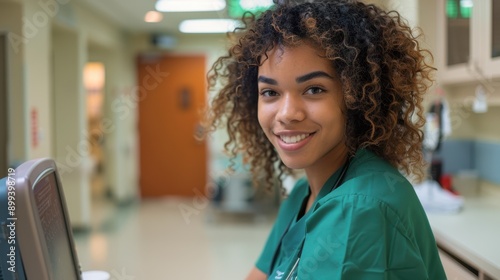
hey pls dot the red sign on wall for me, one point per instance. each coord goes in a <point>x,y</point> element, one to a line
<point>34,128</point>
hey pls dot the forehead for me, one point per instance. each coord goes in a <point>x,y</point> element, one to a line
<point>295,59</point>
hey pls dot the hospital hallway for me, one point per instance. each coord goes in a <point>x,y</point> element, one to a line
<point>170,238</point>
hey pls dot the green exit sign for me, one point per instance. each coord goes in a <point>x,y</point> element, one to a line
<point>236,8</point>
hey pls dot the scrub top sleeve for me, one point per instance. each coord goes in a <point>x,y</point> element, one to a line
<point>359,237</point>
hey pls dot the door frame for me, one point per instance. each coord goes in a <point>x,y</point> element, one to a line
<point>4,101</point>
<point>145,60</point>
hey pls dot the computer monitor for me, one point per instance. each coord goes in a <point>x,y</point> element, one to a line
<point>34,214</point>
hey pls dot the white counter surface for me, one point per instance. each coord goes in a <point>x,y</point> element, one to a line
<point>472,234</point>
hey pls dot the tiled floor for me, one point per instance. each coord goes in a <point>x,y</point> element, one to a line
<point>171,238</point>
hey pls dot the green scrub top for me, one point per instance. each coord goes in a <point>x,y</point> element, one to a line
<point>371,227</point>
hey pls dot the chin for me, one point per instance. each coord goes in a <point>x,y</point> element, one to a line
<point>294,164</point>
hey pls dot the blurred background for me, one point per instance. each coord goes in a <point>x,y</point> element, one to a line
<point>113,91</point>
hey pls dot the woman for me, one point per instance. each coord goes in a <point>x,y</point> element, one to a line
<point>333,88</point>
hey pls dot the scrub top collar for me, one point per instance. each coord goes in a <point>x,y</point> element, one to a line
<point>293,237</point>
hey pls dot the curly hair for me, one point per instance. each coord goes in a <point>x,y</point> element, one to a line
<point>381,66</point>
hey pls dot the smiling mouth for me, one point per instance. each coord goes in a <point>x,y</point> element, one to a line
<point>295,138</point>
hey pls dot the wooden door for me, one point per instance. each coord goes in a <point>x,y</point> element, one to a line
<point>172,92</point>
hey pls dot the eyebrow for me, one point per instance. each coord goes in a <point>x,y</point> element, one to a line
<point>301,79</point>
<point>312,75</point>
<point>264,79</point>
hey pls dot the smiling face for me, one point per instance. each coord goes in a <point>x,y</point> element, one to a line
<point>300,108</point>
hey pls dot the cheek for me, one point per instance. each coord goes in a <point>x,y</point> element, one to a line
<point>263,115</point>
<point>334,119</point>
<point>340,121</point>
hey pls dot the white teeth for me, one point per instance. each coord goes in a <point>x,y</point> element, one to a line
<point>293,139</point>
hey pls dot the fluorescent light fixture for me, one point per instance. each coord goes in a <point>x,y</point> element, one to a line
<point>190,5</point>
<point>208,25</point>
<point>251,5</point>
<point>153,16</point>
<point>236,8</point>
<point>466,3</point>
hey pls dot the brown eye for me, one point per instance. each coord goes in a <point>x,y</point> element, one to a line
<point>314,90</point>
<point>268,93</point>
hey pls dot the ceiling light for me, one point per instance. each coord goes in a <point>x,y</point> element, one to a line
<point>208,25</point>
<point>237,8</point>
<point>190,5</point>
<point>466,3</point>
<point>153,16</point>
<point>251,5</point>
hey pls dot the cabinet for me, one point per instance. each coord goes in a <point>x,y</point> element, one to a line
<point>454,270</point>
<point>468,40</point>
<point>492,15</point>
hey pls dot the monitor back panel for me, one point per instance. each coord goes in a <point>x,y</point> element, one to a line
<point>11,266</point>
<point>43,231</point>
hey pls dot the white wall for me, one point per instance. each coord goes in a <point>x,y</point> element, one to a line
<point>469,125</point>
<point>71,148</point>
<point>37,77</point>
<point>11,14</point>
<point>120,120</point>
<point>119,123</point>
<point>36,28</point>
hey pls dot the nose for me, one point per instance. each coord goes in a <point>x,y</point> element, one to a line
<point>291,109</point>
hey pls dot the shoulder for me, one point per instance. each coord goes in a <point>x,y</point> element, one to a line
<point>373,190</point>
<point>373,224</point>
<point>368,166</point>
<point>378,184</point>
<point>355,213</point>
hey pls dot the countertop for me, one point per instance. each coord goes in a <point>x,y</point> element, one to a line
<point>473,234</point>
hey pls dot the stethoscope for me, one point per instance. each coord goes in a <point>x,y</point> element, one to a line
<point>290,275</point>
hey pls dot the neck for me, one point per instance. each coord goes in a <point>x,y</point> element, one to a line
<point>318,175</point>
